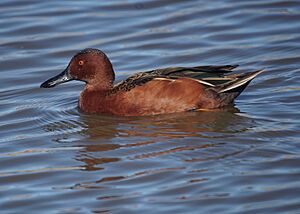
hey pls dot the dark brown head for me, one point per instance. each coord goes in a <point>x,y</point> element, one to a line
<point>89,65</point>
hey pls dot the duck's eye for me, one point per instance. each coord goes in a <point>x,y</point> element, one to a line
<point>80,62</point>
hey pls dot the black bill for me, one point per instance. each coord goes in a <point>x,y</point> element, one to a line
<point>58,79</point>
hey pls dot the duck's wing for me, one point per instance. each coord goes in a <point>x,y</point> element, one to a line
<point>133,81</point>
<point>197,72</point>
<point>205,74</point>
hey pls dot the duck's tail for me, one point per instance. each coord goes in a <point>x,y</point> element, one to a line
<point>230,90</point>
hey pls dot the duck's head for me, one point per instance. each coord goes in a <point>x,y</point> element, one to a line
<point>91,66</point>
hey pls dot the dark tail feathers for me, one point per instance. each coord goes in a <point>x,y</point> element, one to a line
<point>230,90</point>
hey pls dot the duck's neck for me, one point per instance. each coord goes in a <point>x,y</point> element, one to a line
<point>99,88</point>
<point>92,99</point>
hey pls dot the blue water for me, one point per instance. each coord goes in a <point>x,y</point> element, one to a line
<point>55,159</point>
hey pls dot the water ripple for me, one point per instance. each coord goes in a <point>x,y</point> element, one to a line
<point>55,158</point>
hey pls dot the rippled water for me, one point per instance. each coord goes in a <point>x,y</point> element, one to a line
<point>55,159</point>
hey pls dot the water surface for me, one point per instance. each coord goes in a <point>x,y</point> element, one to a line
<point>55,159</point>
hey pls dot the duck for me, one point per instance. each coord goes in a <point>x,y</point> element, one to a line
<point>158,91</point>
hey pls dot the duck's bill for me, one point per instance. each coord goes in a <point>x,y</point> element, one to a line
<point>58,79</point>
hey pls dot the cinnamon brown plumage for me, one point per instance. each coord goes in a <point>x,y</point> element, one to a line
<point>159,91</point>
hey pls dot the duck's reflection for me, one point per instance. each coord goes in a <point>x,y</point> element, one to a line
<point>169,125</point>
<point>107,139</point>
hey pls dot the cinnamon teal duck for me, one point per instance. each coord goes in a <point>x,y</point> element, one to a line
<point>159,91</point>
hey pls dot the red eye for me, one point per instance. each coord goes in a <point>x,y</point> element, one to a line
<point>81,62</point>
